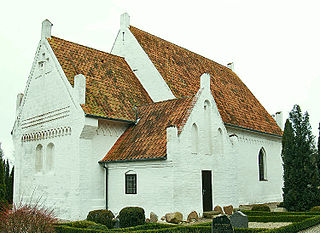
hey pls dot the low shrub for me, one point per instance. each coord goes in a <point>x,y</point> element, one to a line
<point>131,216</point>
<point>260,207</point>
<point>97,227</point>
<point>27,218</point>
<point>315,209</point>
<point>102,217</point>
<point>81,224</point>
<point>68,229</point>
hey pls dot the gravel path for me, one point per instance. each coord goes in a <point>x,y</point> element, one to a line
<point>269,225</point>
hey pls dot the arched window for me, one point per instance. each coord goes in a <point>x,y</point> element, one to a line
<point>207,121</point>
<point>39,158</point>
<point>195,138</point>
<point>50,157</point>
<point>262,165</point>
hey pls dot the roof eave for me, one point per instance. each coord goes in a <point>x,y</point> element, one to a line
<point>134,160</point>
<point>252,130</point>
<point>110,118</point>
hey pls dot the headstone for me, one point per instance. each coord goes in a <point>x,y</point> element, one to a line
<point>153,217</point>
<point>239,220</point>
<point>228,209</point>
<point>219,209</point>
<point>175,217</point>
<point>117,224</point>
<point>221,224</point>
<point>193,216</point>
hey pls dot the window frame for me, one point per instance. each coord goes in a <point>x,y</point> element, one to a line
<point>133,188</point>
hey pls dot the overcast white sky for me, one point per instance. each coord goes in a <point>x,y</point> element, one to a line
<point>275,45</point>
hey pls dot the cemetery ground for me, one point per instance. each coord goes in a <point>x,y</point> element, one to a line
<point>132,219</point>
<point>257,221</point>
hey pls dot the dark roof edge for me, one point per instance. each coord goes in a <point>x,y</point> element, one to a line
<point>133,160</point>
<point>252,130</point>
<point>109,118</point>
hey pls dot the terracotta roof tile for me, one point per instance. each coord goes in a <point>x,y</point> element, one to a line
<point>112,89</point>
<point>181,69</point>
<point>148,139</point>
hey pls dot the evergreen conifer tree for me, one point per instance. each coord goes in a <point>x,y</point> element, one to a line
<point>7,178</point>
<point>10,188</point>
<point>2,183</point>
<point>300,163</point>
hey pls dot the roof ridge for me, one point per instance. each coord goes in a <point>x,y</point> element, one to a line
<point>181,47</point>
<point>86,46</point>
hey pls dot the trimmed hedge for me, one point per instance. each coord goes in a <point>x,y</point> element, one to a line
<point>103,217</point>
<point>98,227</point>
<point>299,226</point>
<point>68,229</point>
<point>260,207</point>
<point>315,209</point>
<point>147,226</point>
<point>281,218</point>
<point>131,216</point>
<point>263,213</point>
<point>80,224</point>
<point>201,228</point>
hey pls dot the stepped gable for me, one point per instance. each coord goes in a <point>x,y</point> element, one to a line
<point>181,70</point>
<point>148,138</point>
<point>112,89</point>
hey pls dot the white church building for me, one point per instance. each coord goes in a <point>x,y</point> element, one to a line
<point>150,124</point>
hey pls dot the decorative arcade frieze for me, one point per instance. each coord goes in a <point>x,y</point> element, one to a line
<point>46,134</point>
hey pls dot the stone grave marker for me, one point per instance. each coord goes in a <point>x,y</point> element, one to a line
<point>239,220</point>
<point>221,224</point>
<point>117,224</point>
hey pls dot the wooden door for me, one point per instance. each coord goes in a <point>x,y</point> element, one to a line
<point>207,190</point>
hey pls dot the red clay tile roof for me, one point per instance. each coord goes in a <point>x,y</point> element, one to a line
<point>112,89</point>
<point>181,69</point>
<point>148,139</point>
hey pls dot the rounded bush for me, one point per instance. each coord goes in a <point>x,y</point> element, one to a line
<point>315,209</point>
<point>102,217</point>
<point>131,216</point>
<point>82,224</point>
<point>97,227</point>
<point>260,207</point>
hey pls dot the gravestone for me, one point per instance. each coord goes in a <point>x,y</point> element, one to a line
<point>221,224</point>
<point>117,224</point>
<point>239,220</point>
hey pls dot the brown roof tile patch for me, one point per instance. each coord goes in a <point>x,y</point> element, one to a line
<point>148,139</point>
<point>181,69</point>
<point>112,90</point>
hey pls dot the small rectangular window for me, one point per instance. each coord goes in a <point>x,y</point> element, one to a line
<point>131,184</point>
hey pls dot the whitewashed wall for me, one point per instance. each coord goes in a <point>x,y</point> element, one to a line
<point>250,189</point>
<point>188,166</point>
<point>128,47</point>
<point>49,113</point>
<point>154,186</point>
<point>96,140</point>
<point>175,184</point>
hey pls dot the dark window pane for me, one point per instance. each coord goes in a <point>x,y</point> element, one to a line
<point>131,184</point>
<point>261,166</point>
